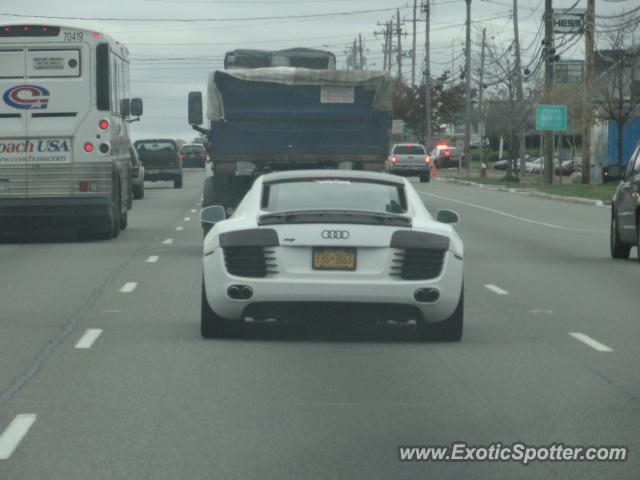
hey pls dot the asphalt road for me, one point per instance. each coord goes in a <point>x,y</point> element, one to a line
<point>150,399</point>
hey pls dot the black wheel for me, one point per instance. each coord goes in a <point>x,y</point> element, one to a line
<point>425,177</point>
<point>208,196</point>
<point>117,213</point>
<point>618,249</point>
<point>124,221</point>
<point>214,326</point>
<point>177,182</point>
<point>638,238</point>
<point>449,330</point>
<point>138,191</point>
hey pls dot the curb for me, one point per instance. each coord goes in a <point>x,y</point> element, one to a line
<point>529,192</point>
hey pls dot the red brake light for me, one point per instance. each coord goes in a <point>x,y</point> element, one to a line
<point>103,124</point>
<point>441,146</point>
<point>88,147</point>
<point>25,28</point>
<point>447,152</point>
<point>182,155</point>
<point>203,155</point>
<point>394,159</point>
<point>427,159</point>
<point>84,186</point>
<point>95,35</point>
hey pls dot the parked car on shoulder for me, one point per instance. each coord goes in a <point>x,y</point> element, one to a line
<point>625,210</point>
<point>161,160</point>
<point>444,156</point>
<point>409,159</point>
<point>137,174</point>
<point>501,164</point>
<point>193,155</point>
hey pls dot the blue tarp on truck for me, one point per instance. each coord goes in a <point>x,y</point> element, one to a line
<point>298,115</point>
<point>604,141</point>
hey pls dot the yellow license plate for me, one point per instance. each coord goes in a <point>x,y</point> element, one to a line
<point>334,258</point>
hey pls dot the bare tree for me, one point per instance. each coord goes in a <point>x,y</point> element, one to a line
<point>617,80</point>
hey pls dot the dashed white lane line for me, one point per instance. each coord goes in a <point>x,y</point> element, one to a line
<point>111,311</point>
<point>180,228</point>
<point>591,342</point>
<point>90,336</point>
<point>193,210</point>
<point>129,287</point>
<point>14,433</point>
<point>515,217</point>
<point>152,259</point>
<point>496,289</point>
<point>187,219</point>
<point>168,241</point>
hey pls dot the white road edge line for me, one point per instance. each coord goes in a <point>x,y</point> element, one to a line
<point>14,433</point>
<point>168,241</point>
<point>591,342</point>
<point>129,287</point>
<point>515,217</point>
<point>90,336</point>
<point>152,259</point>
<point>496,289</point>
<point>179,228</point>
<point>187,219</point>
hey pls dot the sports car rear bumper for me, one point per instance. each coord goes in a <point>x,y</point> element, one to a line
<point>282,288</point>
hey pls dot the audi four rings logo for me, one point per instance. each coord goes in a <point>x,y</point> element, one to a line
<point>335,234</point>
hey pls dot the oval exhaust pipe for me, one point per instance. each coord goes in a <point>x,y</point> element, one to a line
<point>246,293</point>
<point>233,292</point>
<point>426,295</point>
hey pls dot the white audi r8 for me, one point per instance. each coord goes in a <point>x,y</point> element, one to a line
<point>346,243</point>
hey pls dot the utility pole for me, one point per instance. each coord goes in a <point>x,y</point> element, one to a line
<point>520,114</point>
<point>481,87</point>
<point>361,62</point>
<point>427,76</point>
<point>587,113</point>
<point>452,57</point>
<point>548,86</point>
<point>413,51</point>
<point>399,33</point>
<point>389,45</point>
<point>467,78</point>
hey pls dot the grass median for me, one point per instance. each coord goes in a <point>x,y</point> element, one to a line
<point>602,192</point>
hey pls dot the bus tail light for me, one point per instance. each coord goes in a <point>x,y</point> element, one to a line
<point>88,147</point>
<point>88,186</point>
<point>103,124</point>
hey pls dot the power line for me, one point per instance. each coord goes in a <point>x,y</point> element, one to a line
<point>231,19</point>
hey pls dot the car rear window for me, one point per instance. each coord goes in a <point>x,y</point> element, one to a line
<point>334,194</point>
<point>409,150</point>
<point>155,146</point>
<point>192,149</point>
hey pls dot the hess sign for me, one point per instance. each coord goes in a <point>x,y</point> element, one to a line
<point>568,20</point>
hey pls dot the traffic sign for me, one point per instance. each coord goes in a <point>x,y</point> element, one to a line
<point>551,117</point>
<point>397,127</point>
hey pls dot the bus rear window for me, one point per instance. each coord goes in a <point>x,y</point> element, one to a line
<point>53,63</point>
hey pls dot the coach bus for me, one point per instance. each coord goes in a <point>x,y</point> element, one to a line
<point>64,129</point>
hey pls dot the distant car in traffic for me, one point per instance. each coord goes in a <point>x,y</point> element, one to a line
<point>137,174</point>
<point>444,156</point>
<point>625,210</point>
<point>409,159</point>
<point>501,165</point>
<point>161,160</point>
<point>346,243</point>
<point>193,155</point>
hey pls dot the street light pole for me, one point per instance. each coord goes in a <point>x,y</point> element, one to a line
<point>467,77</point>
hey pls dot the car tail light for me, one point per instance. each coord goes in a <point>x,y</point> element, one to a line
<point>394,159</point>
<point>203,155</point>
<point>427,159</point>
<point>96,35</point>
<point>88,147</point>
<point>182,155</point>
<point>447,153</point>
<point>103,124</point>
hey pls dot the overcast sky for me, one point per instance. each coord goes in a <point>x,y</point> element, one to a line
<point>170,58</point>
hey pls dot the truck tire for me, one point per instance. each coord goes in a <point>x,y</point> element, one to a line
<point>207,200</point>
<point>425,177</point>
<point>177,182</point>
<point>117,212</point>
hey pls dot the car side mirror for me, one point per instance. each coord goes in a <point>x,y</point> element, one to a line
<point>195,108</point>
<point>212,214</point>
<point>448,216</point>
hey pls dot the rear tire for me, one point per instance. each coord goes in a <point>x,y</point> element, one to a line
<point>177,182</point>
<point>138,191</point>
<point>214,326</point>
<point>618,249</point>
<point>425,177</point>
<point>449,330</point>
<point>124,221</point>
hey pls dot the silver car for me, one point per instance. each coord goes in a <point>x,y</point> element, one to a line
<point>409,159</point>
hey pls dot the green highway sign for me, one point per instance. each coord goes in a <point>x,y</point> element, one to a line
<point>551,117</point>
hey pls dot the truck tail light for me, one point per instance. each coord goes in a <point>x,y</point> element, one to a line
<point>427,159</point>
<point>394,159</point>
